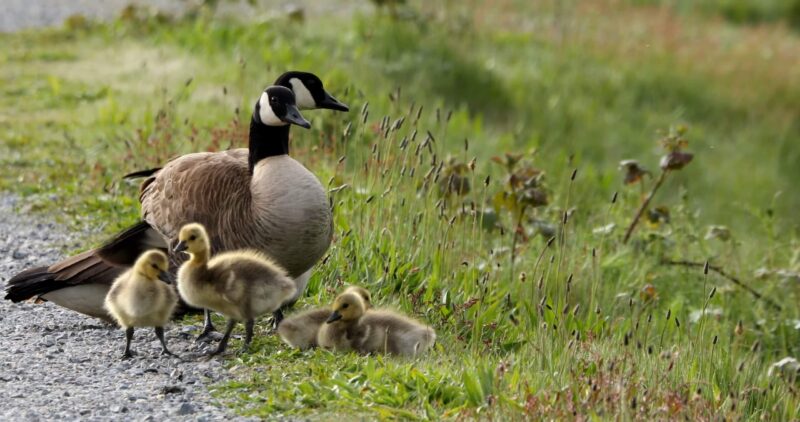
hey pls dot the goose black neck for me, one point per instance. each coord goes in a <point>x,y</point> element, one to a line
<point>267,141</point>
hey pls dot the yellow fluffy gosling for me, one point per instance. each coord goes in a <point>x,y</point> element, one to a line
<point>300,331</point>
<point>239,284</point>
<point>138,298</point>
<point>352,327</point>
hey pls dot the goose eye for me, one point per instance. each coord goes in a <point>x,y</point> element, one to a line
<point>345,306</point>
<point>273,99</point>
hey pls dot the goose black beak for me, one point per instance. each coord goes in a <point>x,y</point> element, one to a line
<point>181,246</point>
<point>332,103</point>
<point>294,117</point>
<point>335,316</point>
<point>164,276</point>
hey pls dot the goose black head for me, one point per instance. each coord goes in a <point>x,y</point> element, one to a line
<point>309,91</point>
<point>277,107</point>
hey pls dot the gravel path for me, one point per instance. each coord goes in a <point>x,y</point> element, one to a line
<point>21,14</point>
<point>59,365</point>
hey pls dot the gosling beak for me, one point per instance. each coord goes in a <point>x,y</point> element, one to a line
<point>164,276</point>
<point>181,246</point>
<point>332,103</point>
<point>294,117</point>
<point>335,316</point>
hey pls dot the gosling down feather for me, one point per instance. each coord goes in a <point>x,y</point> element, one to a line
<point>300,331</point>
<point>353,327</point>
<point>138,298</point>
<point>241,285</point>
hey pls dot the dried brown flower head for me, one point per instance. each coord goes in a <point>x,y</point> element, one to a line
<point>633,171</point>
<point>676,160</point>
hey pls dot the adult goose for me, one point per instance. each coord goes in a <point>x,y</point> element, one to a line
<point>259,197</point>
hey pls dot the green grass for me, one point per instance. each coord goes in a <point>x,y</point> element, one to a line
<point>588,324</point>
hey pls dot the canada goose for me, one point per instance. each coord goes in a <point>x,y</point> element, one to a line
<point>138,298</point>
<point>352,327</point>
<point>258,198</point>
<point>300,331</point>
<point>239,284</point>
<point>309,94</point>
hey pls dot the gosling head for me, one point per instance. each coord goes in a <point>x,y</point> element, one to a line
<point>193,239</point>
<point>277,107</point>
<point>364,293</point>
<point>153,264</point>
<point>348,306</point>
<point>309,91</point>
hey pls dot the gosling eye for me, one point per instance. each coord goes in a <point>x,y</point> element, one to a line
<point>154,266</point>
<point>192,237</point>
<point>345,306</point>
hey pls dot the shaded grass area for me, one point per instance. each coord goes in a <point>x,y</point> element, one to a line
<point>585,325</point>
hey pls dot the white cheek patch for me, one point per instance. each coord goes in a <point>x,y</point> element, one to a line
<point>302,95</point>
<point>266,114</point>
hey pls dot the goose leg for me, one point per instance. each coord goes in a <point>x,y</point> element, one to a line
<point>248,334</point>
<point>209,333</point>
<point>128,337</point>
<point>223,344</point>
<point>160,335</point>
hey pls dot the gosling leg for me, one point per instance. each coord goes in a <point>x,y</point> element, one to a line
<point>277,316</point>
<point>128,337</point>
<point>248,334</point>
<point>223,344</point>
<point>160,335</point>
<point>209,333</point>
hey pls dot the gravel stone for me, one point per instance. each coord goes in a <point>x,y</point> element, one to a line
<point>56,364</point>
<point>185,409</point>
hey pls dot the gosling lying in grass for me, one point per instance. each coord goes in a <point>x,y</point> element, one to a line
<point>241,285</point>
<point>300,331</point>
<point>352,327</point>
<point>138,298</point>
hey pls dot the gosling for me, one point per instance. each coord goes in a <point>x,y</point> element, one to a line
<point>352,327</point>
<point>138,298</point>
<point>239,284</point>
<point>300,331</point>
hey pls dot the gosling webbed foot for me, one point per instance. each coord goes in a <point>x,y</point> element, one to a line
<point>209,334</point>
<point>223,344</point>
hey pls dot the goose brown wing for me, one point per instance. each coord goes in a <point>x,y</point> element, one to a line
<point>212,189</point>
